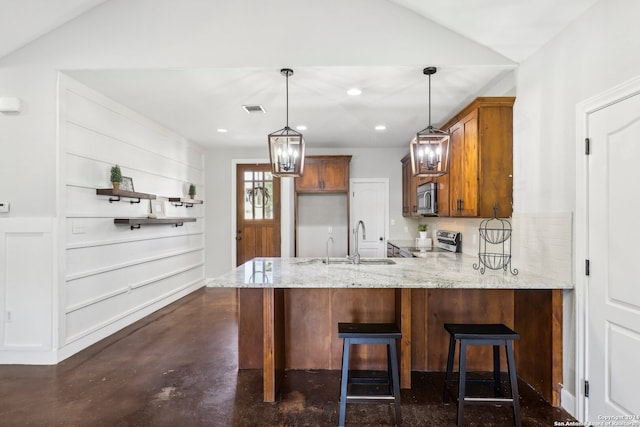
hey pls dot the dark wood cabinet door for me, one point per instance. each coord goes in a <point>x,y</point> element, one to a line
<point>469,190</point>
<point>442,183</point>
<point>335,174</point>
<point>455,167</point>
<point>310,180</point>
<point>463,167</point>
<point>408,189</point>
<point>324,174</point>
<point>495,167</point>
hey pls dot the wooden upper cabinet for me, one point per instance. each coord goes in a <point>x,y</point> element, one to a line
<point>463,167</point>
<point>409,202</point>
<point>481,159</point>
<point>481,163</point>
<point>443,194</point>
<point>324,174</point>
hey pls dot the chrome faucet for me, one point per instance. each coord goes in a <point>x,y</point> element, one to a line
<point>330,239</point>
<point>356,256</point>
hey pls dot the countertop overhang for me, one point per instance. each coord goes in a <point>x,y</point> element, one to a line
<point>439,270</point>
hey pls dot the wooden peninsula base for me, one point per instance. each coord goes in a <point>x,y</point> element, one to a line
<point>297,329</point>
<point>289,309</point>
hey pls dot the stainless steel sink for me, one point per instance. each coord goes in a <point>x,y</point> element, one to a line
<point>363,261</point>
<point>337,261</point>
<point>377,261</point>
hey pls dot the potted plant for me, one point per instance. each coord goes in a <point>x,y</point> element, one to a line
<point>192,191</point>
<point>116,177</point>
<point>422,229</point>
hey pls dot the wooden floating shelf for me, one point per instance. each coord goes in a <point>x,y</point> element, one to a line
<point>181,201</point>
<point>117,194</point>
<point>136,223</point>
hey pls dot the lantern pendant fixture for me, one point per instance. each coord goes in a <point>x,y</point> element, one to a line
<point>430,147</point>
<point>286,146</point>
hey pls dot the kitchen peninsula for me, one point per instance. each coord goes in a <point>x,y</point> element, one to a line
<point>303,299</point>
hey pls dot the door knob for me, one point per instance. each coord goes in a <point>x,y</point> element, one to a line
<point>381,239</point>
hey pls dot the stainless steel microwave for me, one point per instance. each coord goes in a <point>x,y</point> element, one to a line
<point>427,199</point>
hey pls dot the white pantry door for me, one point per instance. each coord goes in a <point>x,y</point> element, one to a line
<point>370,203</point>
<point>613,328</point>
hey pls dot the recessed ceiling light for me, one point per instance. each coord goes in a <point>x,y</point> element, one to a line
<point>354,91</point>
<point>301,127</point>
<point>222,130</point>
<point>380,127</point>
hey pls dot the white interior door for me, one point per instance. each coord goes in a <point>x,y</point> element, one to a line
<point>613,321</point>
<point>370,204</point>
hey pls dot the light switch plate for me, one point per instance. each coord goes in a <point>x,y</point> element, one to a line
<point>4,207</point>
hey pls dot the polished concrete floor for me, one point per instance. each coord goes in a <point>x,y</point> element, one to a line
<point>178,367</point>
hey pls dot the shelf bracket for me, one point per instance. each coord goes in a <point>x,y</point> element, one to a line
<point>132,202</point>
<point>135,227</point>
<point>179,224</point>
<point>189,205</point>
<point>114,199</point>
<point>178,204</point>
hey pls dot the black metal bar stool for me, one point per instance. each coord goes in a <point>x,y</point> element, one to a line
<point>482,334</point>
<point>367,389</point>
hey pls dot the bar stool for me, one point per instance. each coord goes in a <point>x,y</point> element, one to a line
<point>482,334</point>
<point>367,389</point>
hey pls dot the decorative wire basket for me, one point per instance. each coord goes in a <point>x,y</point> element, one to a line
<point>494,245</point>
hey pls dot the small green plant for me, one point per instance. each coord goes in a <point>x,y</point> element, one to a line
<point>192,190</point>
<point>116,174</point>
<point>422,227</point>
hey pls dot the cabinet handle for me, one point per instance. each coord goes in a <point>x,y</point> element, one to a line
<point>415,209</point>
<point>461,204</point>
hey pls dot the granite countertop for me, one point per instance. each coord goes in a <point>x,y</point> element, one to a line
<point>439,270</point>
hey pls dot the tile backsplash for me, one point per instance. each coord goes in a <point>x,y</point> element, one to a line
<point>541,242</point>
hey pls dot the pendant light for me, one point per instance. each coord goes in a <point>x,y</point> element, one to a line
<point>430,148</point>
<point>286,146</point>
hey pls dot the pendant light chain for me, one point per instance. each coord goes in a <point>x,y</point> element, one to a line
<point>287,91</point>
<point>429,101</point>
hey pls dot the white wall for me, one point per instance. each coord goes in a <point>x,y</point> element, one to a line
<point>316,213</point>
<point>114,275</point>
<point>596,52</point>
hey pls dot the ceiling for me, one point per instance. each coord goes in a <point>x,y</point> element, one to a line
<point>197,102</point>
